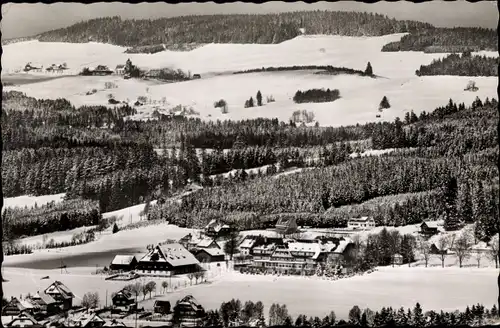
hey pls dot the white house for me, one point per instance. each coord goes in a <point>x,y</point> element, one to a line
<point>363,223</point>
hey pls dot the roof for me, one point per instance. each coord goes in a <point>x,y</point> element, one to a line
<point>398,255</point>
<point>429,225</point>
<point>23,315</point>
<point>285,221</point>
<point>123,259</point>
<point>124,292</point>
<point>43,298</point>
<point>174,254</point>
<point>114,323</point>
<point>161,303</point>
<point>85,318</point>
<point>58,287</point>
<point>247,243</point>
<point>361,219</point>
<point>120,66</point>
<point>206,242</point>
<point>190,301</point>
<point>340,249</point>
<point>213,251</point>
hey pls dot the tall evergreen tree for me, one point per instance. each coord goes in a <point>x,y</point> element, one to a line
<point>259,98</point>
<point>450,191</point>
<point>369,70</point>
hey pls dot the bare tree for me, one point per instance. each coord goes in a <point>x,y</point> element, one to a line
<point>493,253</point>
<point>164,285</point>
<point>191,277</point>
<point>461,247</point>
<point>478,255</point>
<point>425,250</point>
<point>442,245</point>
<point>90,300</point>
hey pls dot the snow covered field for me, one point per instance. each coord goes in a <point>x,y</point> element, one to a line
<point>30,201</point>
<point>360,95</point>
<point>435,288</point>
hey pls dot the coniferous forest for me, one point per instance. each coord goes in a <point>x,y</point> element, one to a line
<point>462,65</point>
<point>93,154</point>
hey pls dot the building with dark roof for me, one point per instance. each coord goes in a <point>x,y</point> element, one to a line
<point>168,259</point>
<point>207,255</point>
<point>286,225</point>
<point>162,307</point>
<point>59,292</point>
<point>188,312</point>
<point>24,320</point>
<point>123,299</point>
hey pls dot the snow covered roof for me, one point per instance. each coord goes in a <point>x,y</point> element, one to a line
<point>43,298</point>
<point>123,259</point>
<point>247,243</point>
<point>207,242</point>
<point>361,219</point>
<point>213,251</point>
<point>58,287</point>
<point>23,316</point>
<point>175,254</point>
<point>342,246</point>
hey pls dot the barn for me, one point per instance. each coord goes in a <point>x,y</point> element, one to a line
<point>168,259</point>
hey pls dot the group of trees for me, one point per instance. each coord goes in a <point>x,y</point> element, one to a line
<point>232,312</point>
<point>322,69</point>
<point>250,102</point>
<point>316,95</point>
<point>464,65</point>
<point>456,39</point>
<point>267,28</point>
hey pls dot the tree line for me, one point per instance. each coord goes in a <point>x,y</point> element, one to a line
<point>325,68</point>
<point>456,39</point>
<point>316,95</point>
<point>464,65</point>
<point>263,29</point>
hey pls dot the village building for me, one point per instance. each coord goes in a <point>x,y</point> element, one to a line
<point>123,299</point>
<point>188,312</point>
<point>207,255</point>
<point>24,320</point>
<point>59,292</point>
<point>428,229</point>
<point>216,229</point>
<point>363,223</point>
<point>153,74</point>
<point>30,68</point>
<point>208,243</point>
<point>123,263</point>
<point>114,323</point>
<point>286,226</point>
<point>13,308</point>
<point>190,241</point>
<point>246,246</point>
<point>101,70</point>
<point>168,259</point>
<point>46,303</point>
<point>397,259</point>
<point>161,307</point>
<point>120,69</point>
<point>196,76</point>
<point>86,320</point>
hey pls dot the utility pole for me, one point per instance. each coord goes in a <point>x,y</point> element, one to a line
<point>106,298</point>
<point>136,308</point>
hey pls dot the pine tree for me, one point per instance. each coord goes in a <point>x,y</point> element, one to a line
<point>418,319</point>
<point>259,98</point>
<point>115,228</point>
<point>465,203</point>
<point>369,70</point>
<point>250,102</point>
<point>450,199</point>
<point>384,104</point>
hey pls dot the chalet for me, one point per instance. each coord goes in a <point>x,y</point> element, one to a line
<point>196,76</point>
<point>86,320</point>
<point>427,229</point>
<point>59,292</point>
<point>13,308</point>
<point>397,259</point>
<point>120,70</point>
<point>123,299</point>
<point>363,223</point>
<point>47,304</point>
<point>208,243</point>
<point>24,320</point>
<point>286,226</point>
<point>188,312</point>
<point>190,241</point>
<point>123,262</point>
<point>435,250</point>
<point>162,307</point>
<point>101,70</point>
<point>246,246</point>
<point>216,229</point>
<point>207,255</point>
<point>168,259</point>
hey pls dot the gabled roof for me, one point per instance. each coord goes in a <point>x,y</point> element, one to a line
<point>43,298</point>
<point>84,318</point>
<point>207,242</point>
<point>212,251</point>
<point>58,287</point>
<point>120,66</point>
<point>23,316</point>
<point>114,323</point>
<point>361,219</point>
<point>429,225</point>
<point>247,243</point>
<point>123,259</point>
<point>189,300</point>
<point>161,303</point>
<point>174,254</point>
<point>124,292</point>
<point>285,221</point>
<point>342,246</point>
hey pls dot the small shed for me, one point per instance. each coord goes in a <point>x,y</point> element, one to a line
<point>123,262</point>
<point>196,76</point>
<point>123,298</point>
<point>428,229</point>
<point>397,259</point>
<point>207,255</point>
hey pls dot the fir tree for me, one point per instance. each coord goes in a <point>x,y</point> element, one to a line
<point>369,70</point>
<point>384,104</point>
<point>450,199</point>
<point>115,228</point>
<point>259,98</point>
<point>418,319</point>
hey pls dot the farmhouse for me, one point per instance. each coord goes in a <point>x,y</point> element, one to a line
<point>161,307</point>
<point>120,69</point>
<point>188,312</point>
<point>286,225</point>
<point>363,223</point>
<point>61,294</point>
<point>216,229</point>
<point>427,229</point>
<point>207,255</point>
<point>101,70</point>
<point>86,320</point>
<point>207,243</point>
<point>190,241</point>
<point>47,304</point>
<point>24,320</point>
<point>123,262</point>
<point>13,308</point>
<point>169,259</point>
<point>123,299</point>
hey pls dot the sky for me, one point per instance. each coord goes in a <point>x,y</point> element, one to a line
<point>29,19</point>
